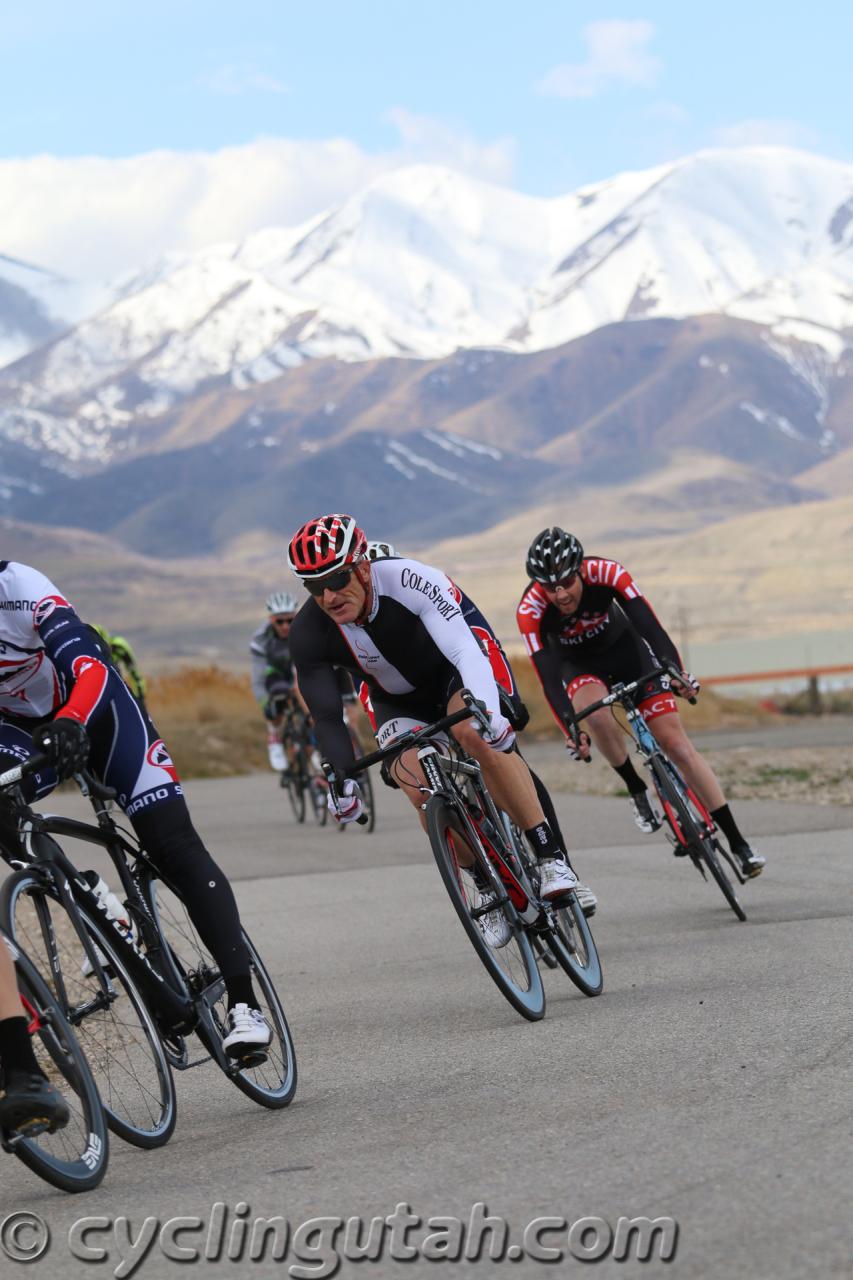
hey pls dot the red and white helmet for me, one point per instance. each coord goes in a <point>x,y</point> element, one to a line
<point>325,544</point>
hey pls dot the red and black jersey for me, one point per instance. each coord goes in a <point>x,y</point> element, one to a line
<point>559,644</point>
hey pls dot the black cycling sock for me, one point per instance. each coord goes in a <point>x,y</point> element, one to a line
<point>16,1046</point>
<point>543,842</point>
<point>240,992</point>
<point>630,777</point>
<point>724,820</point>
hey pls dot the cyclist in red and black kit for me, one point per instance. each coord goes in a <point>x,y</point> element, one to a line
<point>587,626</point>
<point>397,624</point>
<point>61,695</point>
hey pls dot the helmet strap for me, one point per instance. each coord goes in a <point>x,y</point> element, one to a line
<point>362,572</point>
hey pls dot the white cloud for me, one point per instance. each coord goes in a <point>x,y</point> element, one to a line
<point>240,77</point>
<point>767,132</point>
<point>617,54</point>
<point>92,219</point>
<point>429,139</point>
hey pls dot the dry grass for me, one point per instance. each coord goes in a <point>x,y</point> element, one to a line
<point>214,728</point>
<point>712,710</point>
<point>210,720</point>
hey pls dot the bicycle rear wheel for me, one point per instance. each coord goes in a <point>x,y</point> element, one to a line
<point>571,941</point>
<point>512,967</point>
<point>75,1157</point>
<point>271,1083</point>
<point>116,1030</point>
<point>569,937</point>
<point>690,829</point>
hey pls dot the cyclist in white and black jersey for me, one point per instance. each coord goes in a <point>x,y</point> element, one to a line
<point>60,694</point>
<point>398,625</point>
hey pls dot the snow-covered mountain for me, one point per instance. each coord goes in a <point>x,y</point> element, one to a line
<point>425,261</point>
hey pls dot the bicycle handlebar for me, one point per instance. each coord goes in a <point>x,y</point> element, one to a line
<point>619,693</point>
<point>472,710</point>
<point>85,780</point>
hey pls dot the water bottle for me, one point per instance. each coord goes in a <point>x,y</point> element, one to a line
<point>115,911</point>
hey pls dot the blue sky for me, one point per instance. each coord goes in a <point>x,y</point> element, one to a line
<point>116,79</point>
<point>129,129</point>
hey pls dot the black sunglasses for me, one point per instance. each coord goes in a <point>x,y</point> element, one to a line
<point>565,583</point>
<point>330,582</point>
<point>285,618</point>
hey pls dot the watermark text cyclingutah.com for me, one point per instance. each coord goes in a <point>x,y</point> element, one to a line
<point>317,1247</point>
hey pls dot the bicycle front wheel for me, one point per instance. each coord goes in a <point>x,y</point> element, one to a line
<point>690,829</point>
<point>75,1157</point>
<point>365,782</point>
<point>271,1083</point>
<point>297,781</point>
<point>114,1027</point>
<point>512,966</point>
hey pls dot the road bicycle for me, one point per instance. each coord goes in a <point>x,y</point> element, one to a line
<point>134,989</point>
<point>689,825</point>
<point>476,847</point>
<point>306,785</point>
<point>73,1158</point>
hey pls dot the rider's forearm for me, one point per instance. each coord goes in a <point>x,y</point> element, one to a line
<point>646,624</point>
<point>547,669</point>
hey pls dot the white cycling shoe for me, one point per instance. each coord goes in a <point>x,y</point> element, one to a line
<point>248,1032</point>
<point>494,926</point>
<point>587,900</point>
<point>558,879</point>
<point>278,760</point>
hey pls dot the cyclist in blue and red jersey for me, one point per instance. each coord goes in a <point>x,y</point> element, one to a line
<point>587,626</point>
<point>61,695</point>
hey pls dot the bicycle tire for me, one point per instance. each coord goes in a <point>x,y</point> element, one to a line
<point>297,781</point>
<point>123,1048</point>
<point>318,793</point>
<point>368,800</point>
<point>75,1157</point>
<point>365,782</point>
<point>572,943</point>
<point>525,993</point>
<point>673,794</point>
<point>568,937</point>
<point>272,1083</point>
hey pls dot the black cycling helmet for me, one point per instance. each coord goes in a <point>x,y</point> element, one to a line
<point>553,555</point>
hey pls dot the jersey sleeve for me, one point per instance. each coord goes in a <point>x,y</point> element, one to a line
<point>72,648</point>
<point>429,593</point>
<point>546,663</point>
<point>637,609</point>
<point>258,669</point>
<point>318,685</point>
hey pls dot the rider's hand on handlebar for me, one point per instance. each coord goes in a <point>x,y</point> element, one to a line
<point>501,734</point>
<point>686,687</point>
<point>65,743</point>
<point>345,804</point>
<point>578,746</point>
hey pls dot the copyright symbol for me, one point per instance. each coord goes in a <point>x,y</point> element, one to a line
<point>24,1236</point>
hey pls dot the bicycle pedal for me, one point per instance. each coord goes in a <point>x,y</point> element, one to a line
<point>249,1060</point>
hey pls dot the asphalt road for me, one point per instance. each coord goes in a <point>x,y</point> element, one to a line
<point>709,1084</point>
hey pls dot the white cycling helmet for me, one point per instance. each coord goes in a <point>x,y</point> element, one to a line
<point>281,602</point>
<point>380,550</point>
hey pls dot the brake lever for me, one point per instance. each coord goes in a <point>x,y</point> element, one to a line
<point>477,709</point>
